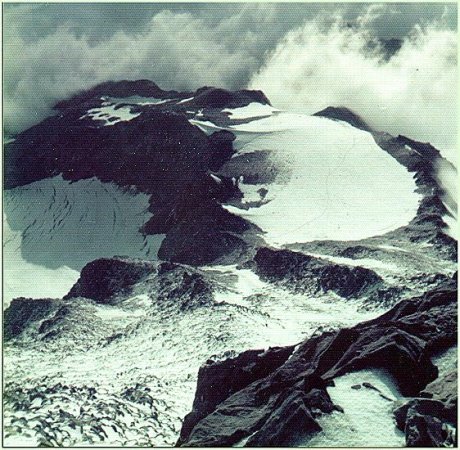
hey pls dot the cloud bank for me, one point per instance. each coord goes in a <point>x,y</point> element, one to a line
<point>177,50</point>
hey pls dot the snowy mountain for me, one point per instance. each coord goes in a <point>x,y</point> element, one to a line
<point>274,278</point>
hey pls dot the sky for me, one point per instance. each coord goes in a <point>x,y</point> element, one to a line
<point>304,56</point>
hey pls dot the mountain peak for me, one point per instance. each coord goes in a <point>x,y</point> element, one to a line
<point>344,114</point>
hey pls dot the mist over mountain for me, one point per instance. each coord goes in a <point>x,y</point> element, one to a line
<point>321,55</point>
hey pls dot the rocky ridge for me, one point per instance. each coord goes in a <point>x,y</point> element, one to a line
<point>154,146</point>
<point>279,408</point>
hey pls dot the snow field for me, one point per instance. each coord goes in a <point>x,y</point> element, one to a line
<point>338,183</point>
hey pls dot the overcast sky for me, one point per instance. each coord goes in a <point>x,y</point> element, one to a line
<point>101,20</point>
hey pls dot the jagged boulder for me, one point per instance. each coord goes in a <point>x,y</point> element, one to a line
<point>182,286</point>
<point>444,389</point>
<point>426,423</point>
<point>289,423</point>
<point>274,411</point>
<point>430,421</point>
<point>24,311</point>
<point>219,380</point>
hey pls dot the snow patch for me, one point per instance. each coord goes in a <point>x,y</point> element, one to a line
<point>145,353</point>
<point>367,420</point>
<point>392,248</point>
<point>136,100</point>
<point>185,100</point>
<point>369,263</point>
<point>24,279</point>
<point>205,126</point>
<point>56,224</point>
<point>446,361</point>
<point>111,115</point>
<point>216,179</point>
<point>254,109</point>
<point>287,318</point>
<point>412,150</point>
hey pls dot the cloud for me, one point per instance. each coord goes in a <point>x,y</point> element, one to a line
<point>328,63</point>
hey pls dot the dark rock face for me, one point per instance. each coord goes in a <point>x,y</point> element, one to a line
<point>255,168</point>
<point>280,409</point>
<point>282,427</point>
<point>108,281</point>
<point>444,390</point>
<point>209,97</point>
<point>142,88</point>
<point>225,237</point>
<point>345,115</point>
<point>23,311</point>
<point>430,421</point>
<point>423,159</point>
<point>301,272</point>
<point>424,431</point>
<point>159,152</point>
<point>218,381</point>
<point>47,320</point>
<point>102,279</point>
<point>426,423</point>
<point>206,191</point>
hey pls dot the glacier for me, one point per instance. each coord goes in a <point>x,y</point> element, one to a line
<point>53,227</point>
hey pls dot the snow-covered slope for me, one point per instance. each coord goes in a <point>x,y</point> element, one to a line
<point>367,398</point>
<point>334,181</point>
<point>155,349</point>
<point>54,227</point>
<point>24,279</point>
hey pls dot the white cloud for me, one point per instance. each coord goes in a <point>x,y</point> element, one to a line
<point>413,93</point>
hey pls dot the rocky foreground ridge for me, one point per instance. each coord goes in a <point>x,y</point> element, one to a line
<point>272,398</point>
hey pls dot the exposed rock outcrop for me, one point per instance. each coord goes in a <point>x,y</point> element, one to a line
<point>182,287</point>
<point>431,420</point>
<point>23,311</point>
<point>102,279</point>
<point>345,115</point>
<point>277,409</point>
<point>109,282</point>
<point>427,423</point>
<point>218,380</point>
<point>299,272</point>
<point>156,150</point>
